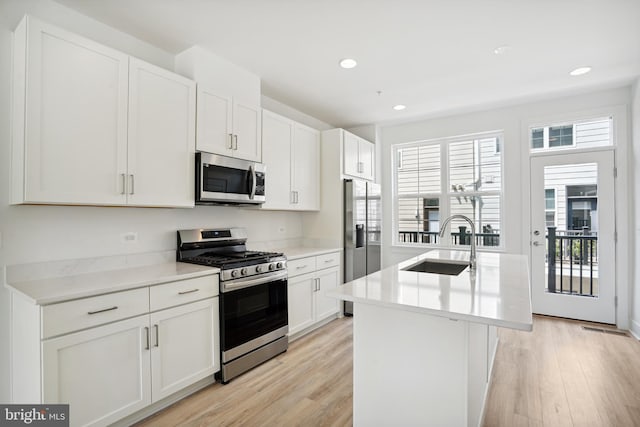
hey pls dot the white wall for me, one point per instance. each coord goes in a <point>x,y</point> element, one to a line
<point>44,233</point>
<point>512,121</point>
<point>635,301</point>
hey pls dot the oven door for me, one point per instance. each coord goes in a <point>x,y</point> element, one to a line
<point>221,179</point>
<point>253,316</point>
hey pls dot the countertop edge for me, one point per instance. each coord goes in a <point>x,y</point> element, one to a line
<point>118,287</point>
<point>304,252</point>
<point>527,326</point>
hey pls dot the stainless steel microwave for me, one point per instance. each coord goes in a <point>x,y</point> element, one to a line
<point>225,180</point>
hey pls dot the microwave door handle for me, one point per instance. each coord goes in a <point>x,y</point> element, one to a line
<point>252,185</point>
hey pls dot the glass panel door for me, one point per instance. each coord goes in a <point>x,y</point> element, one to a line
<point>572,239</point>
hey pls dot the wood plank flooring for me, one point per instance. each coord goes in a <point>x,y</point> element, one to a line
<point>557,375</point>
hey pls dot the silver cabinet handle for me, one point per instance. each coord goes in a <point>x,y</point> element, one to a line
<point>188,292</point>
<point>293,197</point>
<point>132,183</point>
<point>297,199</point>
<point>157,335</point>
<point>235,142</point>
<point>146,329</point>
<point>115,307</point>
<point>300,267</point>
<point>230,142</point>
<point>124,183</point>
<point>327,261</point>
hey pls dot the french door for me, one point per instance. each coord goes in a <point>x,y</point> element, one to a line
<point>572,249</point>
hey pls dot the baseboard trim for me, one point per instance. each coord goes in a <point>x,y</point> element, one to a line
<point>635,329</point>
<point>164,403</point>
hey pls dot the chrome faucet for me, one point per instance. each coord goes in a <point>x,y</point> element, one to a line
<point>472,257</point>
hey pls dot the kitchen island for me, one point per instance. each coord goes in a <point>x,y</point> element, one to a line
<point>424,343</point>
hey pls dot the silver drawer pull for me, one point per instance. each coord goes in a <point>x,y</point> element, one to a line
<point>300,267</point>
<point>188,292</point>
<point>115,307</point>
<point>327,261</point>
<point>146,330</point>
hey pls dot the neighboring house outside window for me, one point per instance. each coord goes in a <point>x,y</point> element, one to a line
<point>582,134</point>
<point>439,178</point>
<point>550,206</point>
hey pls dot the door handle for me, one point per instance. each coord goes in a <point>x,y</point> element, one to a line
<point>536,243</point>
<point>536,233</point>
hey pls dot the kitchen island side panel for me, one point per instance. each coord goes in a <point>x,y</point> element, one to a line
<point>409,368</point>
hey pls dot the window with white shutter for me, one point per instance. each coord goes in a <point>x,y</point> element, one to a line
<point>436,179</point>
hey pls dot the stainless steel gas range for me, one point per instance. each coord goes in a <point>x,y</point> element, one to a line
<point>253,296</point>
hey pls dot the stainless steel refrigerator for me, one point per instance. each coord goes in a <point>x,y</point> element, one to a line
<point>362,231</point>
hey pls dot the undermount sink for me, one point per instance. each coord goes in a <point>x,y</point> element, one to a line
<point>427,266</point>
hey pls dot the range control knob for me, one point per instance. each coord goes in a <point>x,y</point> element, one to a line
<point>243,272</point>
<point>234,273</point>
<point>259,269</point>
<point>272,267</point>
<point>279,265</point>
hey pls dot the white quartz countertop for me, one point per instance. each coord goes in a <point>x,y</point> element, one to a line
<point>496,294</point>
<point>58,289</point>
<point>303,251</point>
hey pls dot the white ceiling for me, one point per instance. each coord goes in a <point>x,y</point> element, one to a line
<point>434,56</point>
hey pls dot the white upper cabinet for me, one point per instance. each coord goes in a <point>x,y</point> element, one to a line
<point>93,126</point>
<point>292,157</point>
<point>305,167</point>
<point>70,118</point>
<point>358,155</point>
<point>228,127</point>
<point>161,137</point>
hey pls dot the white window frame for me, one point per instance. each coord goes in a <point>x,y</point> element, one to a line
<point>446,195</point>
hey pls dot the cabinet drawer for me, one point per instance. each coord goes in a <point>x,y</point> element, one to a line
<point>182,292</point>
<point>300,266</point>
<point>84,313</point>
<point>328,260</point>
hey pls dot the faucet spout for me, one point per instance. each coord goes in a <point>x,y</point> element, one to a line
<point>472,256</point>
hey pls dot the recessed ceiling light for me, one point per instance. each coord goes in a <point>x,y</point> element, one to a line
<point>399,107</point>
<point>580,71</point>
<point>348,63</point>
<point>501,50</point>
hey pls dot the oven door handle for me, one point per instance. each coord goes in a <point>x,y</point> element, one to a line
<point>233,285</point>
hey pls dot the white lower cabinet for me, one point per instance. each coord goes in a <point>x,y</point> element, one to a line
<point>103,373</point>
<point>110,356</point>
<point>309,279</point>
<point>184,346</point>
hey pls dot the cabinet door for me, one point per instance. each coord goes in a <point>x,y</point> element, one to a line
<point>366,154</point>
<point>184,346</point>
<point>328,280</point>
<point>247,127</point>
<point>215,122</point>
<point>306,167</point>
<point>103,372</point>
<point>277,134</point>
<point>300,302</point>
<point>75,117</point>
<point>161,137</point>
<point>350,154</point>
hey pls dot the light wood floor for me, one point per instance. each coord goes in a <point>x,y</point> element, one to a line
<point>557,375</point>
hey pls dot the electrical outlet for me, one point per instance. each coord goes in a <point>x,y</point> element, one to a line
<point>130,237</point>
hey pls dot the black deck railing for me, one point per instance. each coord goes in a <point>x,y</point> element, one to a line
<point>460,238</point>
<point>572,261</point>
